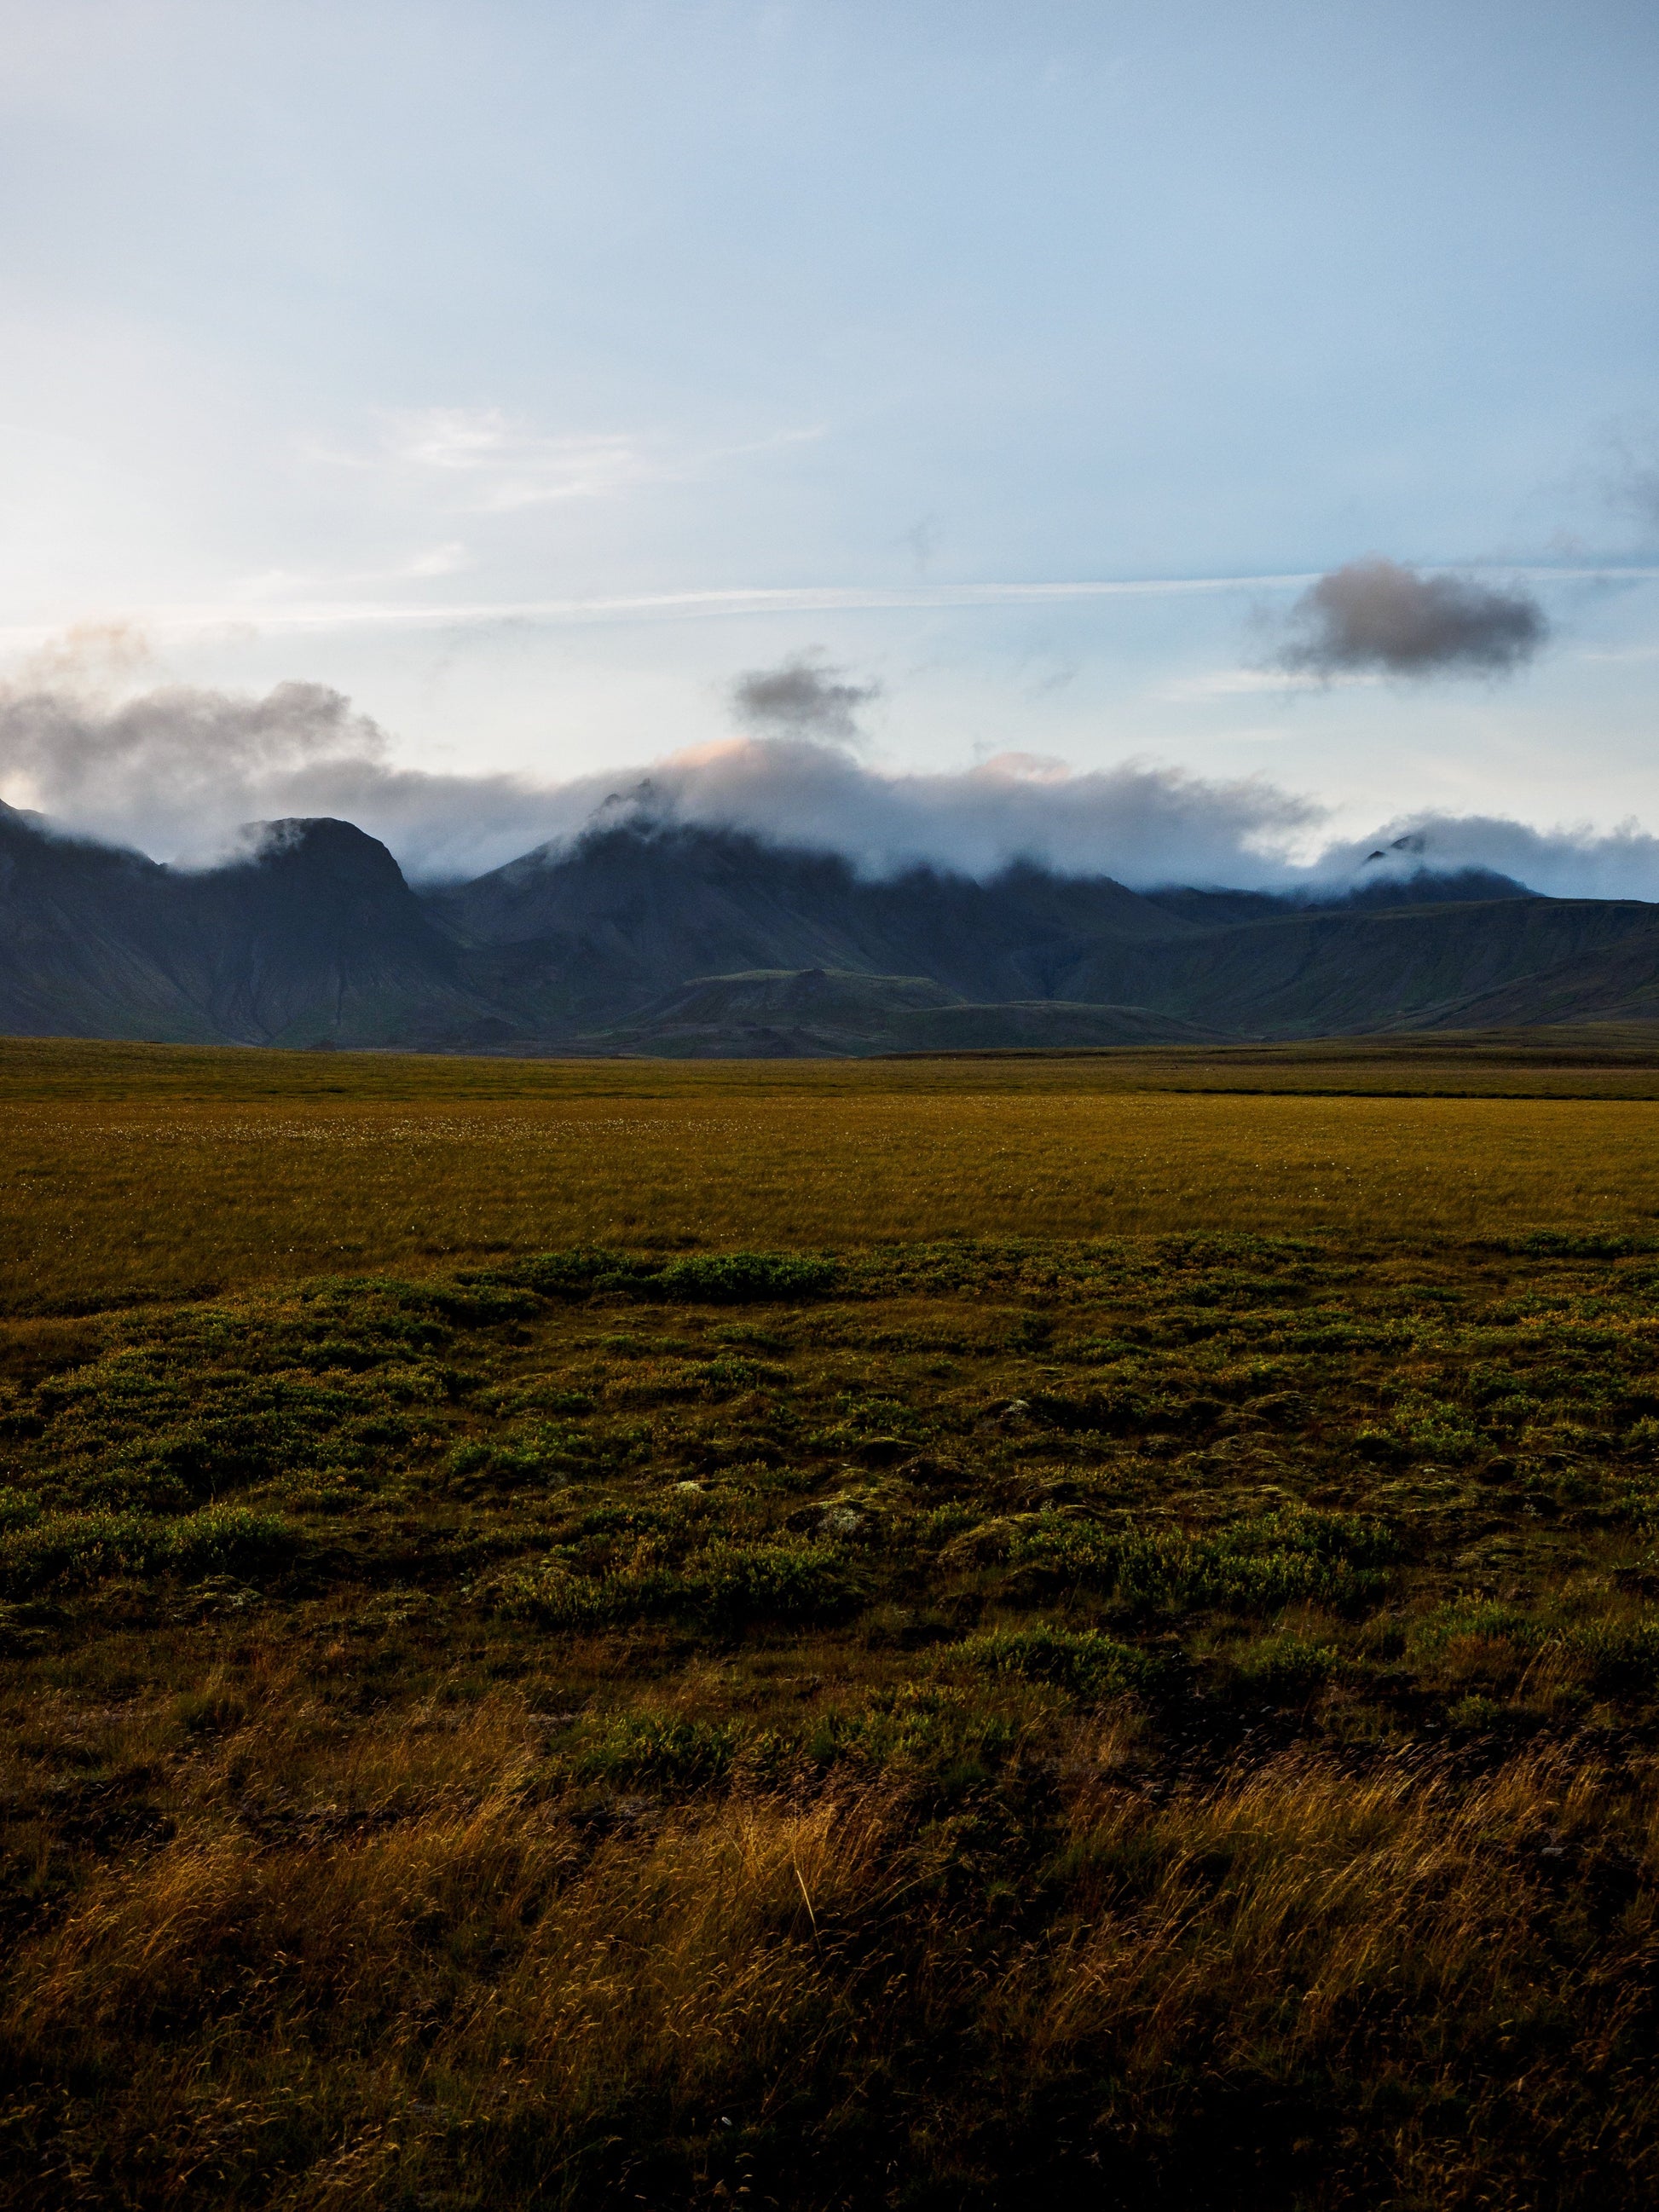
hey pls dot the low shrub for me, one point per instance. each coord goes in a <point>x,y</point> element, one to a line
<point>920,1730</point>
<point>542,1454</point>
<point>575,1274</point>
<point>1081,1662</point>
<point>700,1279</point>
<point>1431,1427</point>
<point>745,1278</point>
<point>733,1583</point>
<point>1578,1244</point>
<point>1256,1565</point>
<point>1108,1412</point>
<point>1483,1621</point>
<point>674,1754</point>
<point>1623,1656</point>
<point>726,1585</point>
<point>82,1548</point>
<point>1288,1667</point>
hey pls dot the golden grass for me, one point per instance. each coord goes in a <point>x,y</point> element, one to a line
<point>1593,1062</point>
<point>348,1879</point>
<point>286,2023</point>
<point>207,1180</point>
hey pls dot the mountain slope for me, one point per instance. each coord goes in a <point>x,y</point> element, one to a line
<point>773,1014</point>
<point>314,936</point>
<point>1619,983</point>
<point>317,936</point>
<point>631,913</point>
<point>1323,973</point>
<point>700,941</point>
<point>78,923</point>
<point>577,941</point>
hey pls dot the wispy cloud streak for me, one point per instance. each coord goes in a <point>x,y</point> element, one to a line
<point>299,616</point>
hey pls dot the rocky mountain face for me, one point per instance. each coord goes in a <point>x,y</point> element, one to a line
<point>708,942</point>
<point>313,937</point>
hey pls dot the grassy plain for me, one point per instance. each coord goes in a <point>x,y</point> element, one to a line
<point>132,1171</point>
<point>901,1634</point>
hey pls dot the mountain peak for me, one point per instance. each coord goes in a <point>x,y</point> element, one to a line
<point>317,844</point>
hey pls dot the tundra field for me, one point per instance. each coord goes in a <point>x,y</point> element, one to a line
<point>898,1634</point>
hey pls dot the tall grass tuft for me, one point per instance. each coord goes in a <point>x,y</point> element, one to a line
<point>699,1995</point>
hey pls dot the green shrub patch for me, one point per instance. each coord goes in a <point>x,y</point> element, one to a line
<point>1081,1662</point>
<point>74,1549</point>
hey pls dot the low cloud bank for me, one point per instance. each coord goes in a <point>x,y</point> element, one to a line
<point>1565,862</point>
<point>1375,617</point>
<point>179,773</point>
<point>1137,822</point>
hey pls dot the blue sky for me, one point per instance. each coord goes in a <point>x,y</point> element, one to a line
<point>527,372</point>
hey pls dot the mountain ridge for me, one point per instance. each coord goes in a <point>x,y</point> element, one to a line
<point>648,938</point>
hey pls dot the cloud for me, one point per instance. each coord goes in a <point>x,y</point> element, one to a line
<point>274,590</point>
<point>503,465</point>
<point>922,539</point>
<point>483,461</point>
<point>1569,861</point>
<point>1238,683</point>
<point>90,656</point>
<point>179,772</point>
<point>337,613</point>
<point>1375,616</point>
<point>491,463</point>
<point>1139,822</point>
<point>802,698</point>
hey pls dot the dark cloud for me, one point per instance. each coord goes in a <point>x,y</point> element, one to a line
<point>802,698</point>
<point>1375,616</point>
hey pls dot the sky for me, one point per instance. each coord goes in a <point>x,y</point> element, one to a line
<point>455,412</point>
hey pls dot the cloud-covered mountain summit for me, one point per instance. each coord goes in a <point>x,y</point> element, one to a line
<point>177,771</point>
<point>645,935</point>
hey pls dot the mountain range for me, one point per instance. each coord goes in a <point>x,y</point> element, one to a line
<point>647,939</point>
